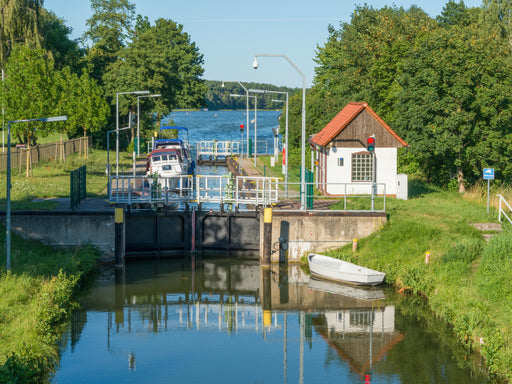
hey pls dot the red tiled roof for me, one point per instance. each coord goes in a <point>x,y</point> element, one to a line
<point>343,118</point>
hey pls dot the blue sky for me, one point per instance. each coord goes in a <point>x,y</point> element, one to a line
<point>230,32</point>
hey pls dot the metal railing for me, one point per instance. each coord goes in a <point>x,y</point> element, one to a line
<point>147,190</point>
<point>218,148</point>
<point>502,211</point>
<point>343,197</point>
<point>243,192</point>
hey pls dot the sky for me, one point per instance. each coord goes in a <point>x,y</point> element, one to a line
<point>230,32</point>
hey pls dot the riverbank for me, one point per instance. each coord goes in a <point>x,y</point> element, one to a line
<point>467,282</point>
<point>36,298</point>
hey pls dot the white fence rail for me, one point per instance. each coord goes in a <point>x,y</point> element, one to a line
<point>218,148</point>
<point>501,211</point>
<point>244,193</point>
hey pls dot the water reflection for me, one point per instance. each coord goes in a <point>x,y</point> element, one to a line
<point>158,319</point>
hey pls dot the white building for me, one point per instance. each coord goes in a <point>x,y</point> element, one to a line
<point>345,166</point>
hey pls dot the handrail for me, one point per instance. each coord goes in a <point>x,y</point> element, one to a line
<point>500,211</point>
<point>244,193</point>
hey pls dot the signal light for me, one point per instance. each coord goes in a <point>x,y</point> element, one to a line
<point>370,143</point>
<point>241,127</point>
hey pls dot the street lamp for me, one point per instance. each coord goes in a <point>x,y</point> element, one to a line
<point>255,125</point>
<point>138,120</point>
<point>303,139</point>
<point>9,186</point>
<point>285,135</point>
<point>117,122</point>
<point>246,113</point>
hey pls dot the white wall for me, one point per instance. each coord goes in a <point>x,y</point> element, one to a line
<point>386,159</point>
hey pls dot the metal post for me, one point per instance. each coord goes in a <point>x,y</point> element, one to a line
<point>117,135</point>
<point>488,187</point>
<point>138,126</point>
<point>8,204</point>
<point>373,183</point>
<point>255,129</point>
<point>303,131</point>
<point>3,112</point>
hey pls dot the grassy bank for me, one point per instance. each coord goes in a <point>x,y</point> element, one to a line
<point>36,296</point>
<point>35,301</point>
<point>468,281</point>
<point>51,179</point>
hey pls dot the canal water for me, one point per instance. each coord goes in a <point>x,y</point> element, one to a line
<point>219,320</point>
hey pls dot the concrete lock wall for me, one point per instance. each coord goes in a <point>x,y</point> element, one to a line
<point>297,233</point>
<point>67,230</point>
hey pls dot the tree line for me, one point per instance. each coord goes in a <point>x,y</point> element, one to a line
<point>219,95</point>
<point>442,84</point>
<point>46,73</point>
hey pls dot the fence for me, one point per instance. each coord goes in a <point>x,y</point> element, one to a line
<point>78,183</point>
<point>44,152</point>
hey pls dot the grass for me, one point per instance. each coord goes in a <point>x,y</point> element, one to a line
<point>35,301</point>
<point>468,282</point>
<point>36,296</point>
<point>51,180</point>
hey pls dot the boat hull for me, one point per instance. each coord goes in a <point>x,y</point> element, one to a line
<point>341,271</point>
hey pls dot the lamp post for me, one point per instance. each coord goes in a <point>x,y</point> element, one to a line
<point>9,186</point>
<point>303,139</point>
<point>246,114</point>
<point>285,134</point>
<point>255,125</point>
<point>108,156</point>
<point>138,120</point>
<point>117,122</point>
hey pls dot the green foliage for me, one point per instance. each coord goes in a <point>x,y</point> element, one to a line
<point>163,59</point>
<point>20,24</point>
<point>218,96</point>
<point>35,301</point>
<point>56,34</point>
<point>465,251</point>
<point>441,85</point>
<point>109,27</point>
<point>468,282</point>
<point>30,80</point>
<point>494,276</point>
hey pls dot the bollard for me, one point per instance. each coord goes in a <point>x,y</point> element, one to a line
<point>354,245</point>
<point>119,237</point>
<point>267,237</point>
<point>427,257</point>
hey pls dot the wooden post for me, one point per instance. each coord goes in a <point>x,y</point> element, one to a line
<point>267,237</point>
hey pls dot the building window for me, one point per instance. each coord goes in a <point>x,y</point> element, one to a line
<point>362,167</point>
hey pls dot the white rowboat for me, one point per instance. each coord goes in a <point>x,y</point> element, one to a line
<point>342,271</point>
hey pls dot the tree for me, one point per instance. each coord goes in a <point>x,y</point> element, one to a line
<point>163,59</point>
<point>66,52</point>
<point>454,105</point>
<point>29,90</point>
<point>109,27</point>
<point>81,99</point>
<point>19,24</point>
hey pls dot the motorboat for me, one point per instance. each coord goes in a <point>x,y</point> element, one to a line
<point>170,159</point>
<point>329,268</point>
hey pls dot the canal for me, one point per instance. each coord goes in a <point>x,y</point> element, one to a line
<point>221,320</point>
